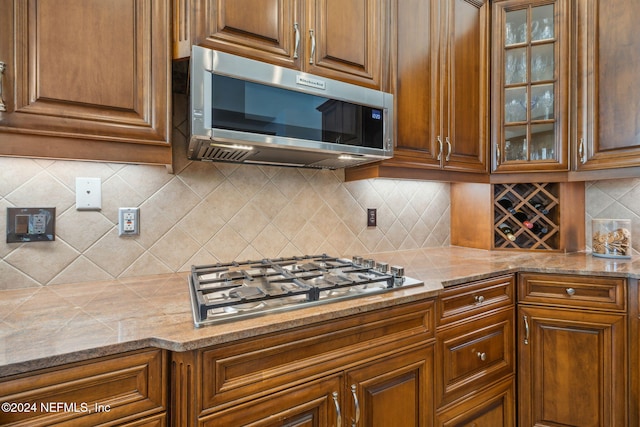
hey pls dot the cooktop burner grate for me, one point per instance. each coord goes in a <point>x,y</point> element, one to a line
<point>230,291</point>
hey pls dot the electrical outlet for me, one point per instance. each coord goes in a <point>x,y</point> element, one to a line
<point>128,221</point>
<point>372,217</point>
<point>31,225</point>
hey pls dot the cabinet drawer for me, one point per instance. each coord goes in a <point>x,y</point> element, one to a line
<point>239,371</point>
<point>602,293</point>
<point>474,354</point>
<point>459,302</point>
<point>124,387</point>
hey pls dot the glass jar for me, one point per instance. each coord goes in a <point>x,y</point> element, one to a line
<point>611,238</point>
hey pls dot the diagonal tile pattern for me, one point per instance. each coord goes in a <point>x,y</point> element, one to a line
<point>616,199</point>
<point>216,212</point>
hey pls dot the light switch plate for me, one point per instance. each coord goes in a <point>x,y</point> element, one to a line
<point>31,225</point>
<point>88,194</point>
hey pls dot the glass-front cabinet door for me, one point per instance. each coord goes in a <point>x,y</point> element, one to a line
<point>530,86</point>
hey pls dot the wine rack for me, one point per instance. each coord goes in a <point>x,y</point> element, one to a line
<point>477,215</point>
<point>531,212</point>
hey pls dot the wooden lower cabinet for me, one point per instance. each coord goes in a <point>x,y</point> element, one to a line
<point>572,369</point>
<point>391,391</point>
<point>127,389</point>
<point>371,369</point>
<point>475,354</point>
<point>311,404</point>
<point>573,350</point>
<point>491,407</point>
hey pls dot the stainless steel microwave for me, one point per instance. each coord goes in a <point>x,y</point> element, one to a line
<point>246,111</point>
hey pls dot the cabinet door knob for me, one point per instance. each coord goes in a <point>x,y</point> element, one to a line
<point>479,299</point>
<point>482,356</point>
<point>571,292</point>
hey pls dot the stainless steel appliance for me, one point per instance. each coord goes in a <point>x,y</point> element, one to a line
<point>239,290</point>
<point>246,111</point>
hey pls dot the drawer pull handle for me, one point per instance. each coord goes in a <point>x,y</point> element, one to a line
<point>482,356</point>
<point>338,413</point>
<point>571,292</point>
<point>526,330</point>
<point>479,299</point>
<point>356,404</point>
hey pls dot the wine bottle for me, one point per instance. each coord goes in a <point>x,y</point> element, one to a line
<point>507,231</point>
<point>539,229</point>
<point>507,204</point>
<point>542,208</point>
<point>523,218</point>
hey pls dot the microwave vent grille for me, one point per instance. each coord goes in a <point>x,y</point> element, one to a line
<point>225,154</point>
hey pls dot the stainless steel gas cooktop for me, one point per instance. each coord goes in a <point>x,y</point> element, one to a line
<point>239,290</point>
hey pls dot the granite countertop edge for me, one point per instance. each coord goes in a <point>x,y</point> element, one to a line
<point>181,335</point>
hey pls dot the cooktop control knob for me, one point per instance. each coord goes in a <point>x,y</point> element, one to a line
<point>382,267</point>
<point>369,263</point>
<point>398,274</point>
<point>357,260</point>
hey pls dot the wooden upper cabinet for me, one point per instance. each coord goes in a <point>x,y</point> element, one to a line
<point>86,80</point>
<point>441,54</point>
<point>465,86</point>
<point>266,30</point>
<point>530,117</point>
<point>347,40</point>
<point>608,94</point>
<point>442,90</point>
<point>339,39</point>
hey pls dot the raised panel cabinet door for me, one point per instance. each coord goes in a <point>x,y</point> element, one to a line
<point>392,391</point>
<point>266,30</point>
<point>86,79</point>
<point>465,83</point>
<point>608,94</point>
<point>345,39</point>
<point>416,91</point>
<point>572,368</point>
<point>314,404</point>
<point>492,407</point>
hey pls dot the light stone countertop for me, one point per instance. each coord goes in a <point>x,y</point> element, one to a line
<point>53,325</point>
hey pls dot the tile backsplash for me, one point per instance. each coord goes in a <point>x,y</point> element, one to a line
<point>206,212</point>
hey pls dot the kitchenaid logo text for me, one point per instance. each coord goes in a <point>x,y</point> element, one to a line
<point>308,81</point>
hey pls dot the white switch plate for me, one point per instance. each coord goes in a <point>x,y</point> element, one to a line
<point>128,221</point>
<point>88,194</point>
